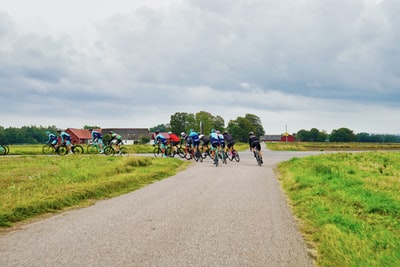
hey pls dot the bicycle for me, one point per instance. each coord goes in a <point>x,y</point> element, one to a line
<point>75,149</point>
<point>206,152</point>
<point>233,154</point>
<point>157,151</point>
<point>257,156</point>
<point>172,150</point>
<point>110,150</point>
<point>222,155</point>
<point>93,148</point>
<point>216,156</point>
<point>49,149</point>
<point>194,154</point>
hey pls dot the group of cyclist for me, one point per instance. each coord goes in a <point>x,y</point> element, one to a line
<point>64,138</point>
<point>193,140</point>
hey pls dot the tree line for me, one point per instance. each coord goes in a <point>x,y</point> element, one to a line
<point>344,135</point>
<point>204,121</point>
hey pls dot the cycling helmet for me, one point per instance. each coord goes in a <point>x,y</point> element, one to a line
<point>183,134</point>
<point>48,133</point>
<point>169,132</point>
<point>58,130</point>
<point>225,132</point>
<point>191,130</point>
<point>213,130</point>
<point>251,133</point>
<point>111,132</point>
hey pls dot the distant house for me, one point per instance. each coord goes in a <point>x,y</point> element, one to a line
<point>277,138</point>
<point>79,136</point>
<point>129,135</point>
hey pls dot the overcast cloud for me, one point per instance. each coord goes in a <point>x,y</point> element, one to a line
<point>305,64</point>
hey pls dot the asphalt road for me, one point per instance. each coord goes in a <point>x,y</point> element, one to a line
<point>231,215</point>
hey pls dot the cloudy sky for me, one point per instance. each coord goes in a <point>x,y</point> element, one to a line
<point>133,63</point>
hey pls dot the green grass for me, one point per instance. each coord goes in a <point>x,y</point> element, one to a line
<point>37,149</point>
<point>348,206</point>
<point>35,185</point>
<point>328,146</point>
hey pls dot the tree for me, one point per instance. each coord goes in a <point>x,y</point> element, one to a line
<point>342,135</point>
<point>205,121</point>
<point>182,122</point>
<point>240,128</point>
<point>256,122</point>
<point>219,123</point>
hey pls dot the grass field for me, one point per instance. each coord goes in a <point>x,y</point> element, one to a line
<point>348,205</point>
<point>35,185</point>
<point>328,146</point>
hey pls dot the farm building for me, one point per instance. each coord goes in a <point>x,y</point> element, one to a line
<point>79,136</point>
<point>277,138</point>
<point>129,135</point>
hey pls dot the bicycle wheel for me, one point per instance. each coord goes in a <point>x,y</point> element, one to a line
<point>157,152</point>
<point>224,156</point>
<point>108,150</point>
<point>216,156</point>
<point>181,152</point>
<point>48,149</point>
<point>77,149</point>
<point>92,149</point>
<point>236,155</point>
<point>62,150</point>
<point>169,151</point>
<point>7,149</point>
<point>189,154</point>
<point>257,155</point>
<point>3,150</point>
<point>199,156</point>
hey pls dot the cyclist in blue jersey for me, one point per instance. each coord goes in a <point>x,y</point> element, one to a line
<point>65,139</point>
<point>53,139</point>
<point>163,142</point>
<point>195,139</point>
<point>214,141</point>
<point>97,138</point>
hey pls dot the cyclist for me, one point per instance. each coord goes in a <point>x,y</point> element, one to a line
<point>53,139</point>
<point>254,142</point>
<point>230,142</point>
<point>214,141</point>
<point>221,140</point>
<point>185,139</point>
<point>204,142</point>
<point>65,139</point>
<point>173,140</point>
<point>194,137</point>
<point>162,140</point>
<point>97,138</point>
<point>117,140</point>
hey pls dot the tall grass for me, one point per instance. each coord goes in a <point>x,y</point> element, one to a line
<point>328,146</point>
<point>348,206</point>
<point>33,185</point>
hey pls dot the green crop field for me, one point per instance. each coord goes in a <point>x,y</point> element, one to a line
<point>35,185</point>
<point>348,206</point>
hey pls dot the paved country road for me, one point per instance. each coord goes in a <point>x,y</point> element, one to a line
<point>231,215</point>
